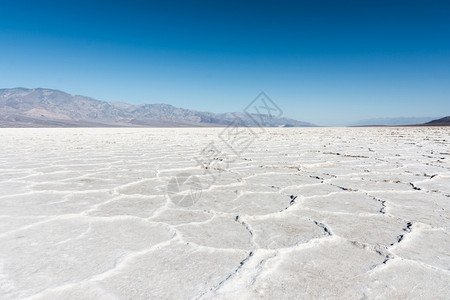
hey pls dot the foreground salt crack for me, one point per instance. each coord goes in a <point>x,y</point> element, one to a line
<point>301,213</point>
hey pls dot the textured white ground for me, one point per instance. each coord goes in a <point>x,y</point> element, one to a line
<point>300,213</point>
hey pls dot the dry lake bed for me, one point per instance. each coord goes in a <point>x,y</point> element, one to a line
<point>228,213</point>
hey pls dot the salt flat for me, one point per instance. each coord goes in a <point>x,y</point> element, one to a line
<point>218,212</point>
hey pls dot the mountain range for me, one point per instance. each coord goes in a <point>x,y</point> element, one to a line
<point>39,107</point>
<point>414,121</point>
<point>392,121</point>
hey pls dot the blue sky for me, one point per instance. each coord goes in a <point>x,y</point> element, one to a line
<point>326,62</point>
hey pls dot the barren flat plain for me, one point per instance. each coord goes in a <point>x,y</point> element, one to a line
<point>227,213</point>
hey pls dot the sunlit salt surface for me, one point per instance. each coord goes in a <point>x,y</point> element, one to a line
<point>284,213</point>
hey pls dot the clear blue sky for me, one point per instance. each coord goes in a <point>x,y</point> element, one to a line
<point>327,62</point>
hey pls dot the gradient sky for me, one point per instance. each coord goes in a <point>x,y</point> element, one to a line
<point>326,62</point>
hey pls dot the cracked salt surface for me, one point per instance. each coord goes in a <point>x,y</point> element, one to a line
<point>301,213</point>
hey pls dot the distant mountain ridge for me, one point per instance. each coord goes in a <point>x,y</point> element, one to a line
<point>392,121</point>
<point>445,121</point>
<point>40,107</point>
